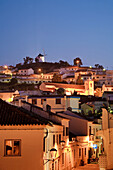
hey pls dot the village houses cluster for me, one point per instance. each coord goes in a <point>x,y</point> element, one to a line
<point>63,122</point>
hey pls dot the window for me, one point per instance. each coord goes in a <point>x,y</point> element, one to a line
<point>34,101</point>
<point>89,130</point>
<point>67,131</point>
<point>12,147</point>
<point>58,101</point>
<point>79,152</point>
<point>63,158</point>
<point>63,130</point>
<point>90,84</point>
<point>85,151</point>
<point>42,101</point>
<point>59,138</point>
<point>53,140</point>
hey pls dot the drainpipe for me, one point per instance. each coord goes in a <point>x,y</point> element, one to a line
<point>65,101</point>
<point>45,139</point>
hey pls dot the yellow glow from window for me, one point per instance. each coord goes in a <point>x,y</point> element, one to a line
<point>10,99</point>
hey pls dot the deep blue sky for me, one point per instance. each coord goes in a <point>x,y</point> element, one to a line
<point>63,28</point>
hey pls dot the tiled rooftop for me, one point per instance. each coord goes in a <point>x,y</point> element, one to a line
<point>12,115</point>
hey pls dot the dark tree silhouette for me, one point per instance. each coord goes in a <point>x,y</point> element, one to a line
<point>60,91</point>
<point>79,80</point>
<point>56,78</point>
<point>77,62</point>
<point>28,60</point>
<point>99,66</point>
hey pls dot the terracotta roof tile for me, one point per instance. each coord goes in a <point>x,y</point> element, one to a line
<point>12,115</point>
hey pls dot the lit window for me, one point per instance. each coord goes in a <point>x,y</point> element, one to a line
<point>34,101</point>
<point>12,147</point>
<point>58,101</point>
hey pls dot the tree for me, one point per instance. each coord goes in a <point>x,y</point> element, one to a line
<point>99,66</point>
<point>56,78</point>
<point>77,62</point>
<point>28,60</point>
<point>63,63</point>
<point>36,60</point>
<point>79,80</point>
<point>60,91</point>
<point>13,81</point>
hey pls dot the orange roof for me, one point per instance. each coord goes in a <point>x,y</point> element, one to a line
<point>60,85</point>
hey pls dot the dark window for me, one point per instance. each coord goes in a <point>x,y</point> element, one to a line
<point>63,130</point>
<point>53,140</point>
<point>34,101</point>
<point>44,145</point>
<point>67,131</point>
<point>59,138</point>
<point>89,130</point>
<point>42,100</point>
<point>12,147</point>
<point>79,152</point>
<point>85,151</point>
<point>58,101</point>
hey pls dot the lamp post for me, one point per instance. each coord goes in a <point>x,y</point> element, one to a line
<point>53,153</point>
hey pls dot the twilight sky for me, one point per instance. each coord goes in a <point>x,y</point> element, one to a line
<point>65,29</point>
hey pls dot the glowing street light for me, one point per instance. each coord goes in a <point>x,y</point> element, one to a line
<point>5,66</point>
<point>53,152</point>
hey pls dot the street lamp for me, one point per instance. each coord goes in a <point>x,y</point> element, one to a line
<point>53,153</point>
<point>39,70</point>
